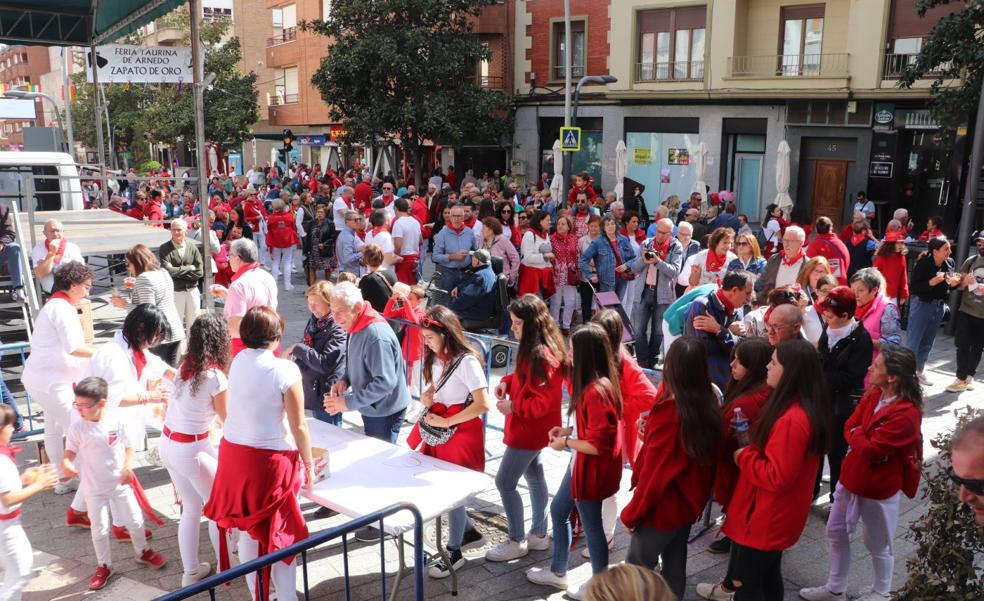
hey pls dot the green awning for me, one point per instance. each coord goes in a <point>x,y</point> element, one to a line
<point>76,22</point>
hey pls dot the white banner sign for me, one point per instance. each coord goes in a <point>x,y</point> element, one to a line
<point>11,108</point>
<point>118,63</point>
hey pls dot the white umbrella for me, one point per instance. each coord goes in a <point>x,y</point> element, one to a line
<point>621,168</point>
<point>698,158</point>
<point>557,184</point>
<point>782,178</point>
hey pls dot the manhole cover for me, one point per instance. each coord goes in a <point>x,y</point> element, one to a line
<point>493,527</point>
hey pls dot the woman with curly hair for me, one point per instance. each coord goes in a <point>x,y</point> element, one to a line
<point>200,392</point>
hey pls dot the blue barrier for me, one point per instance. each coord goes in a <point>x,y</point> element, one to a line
<point>301,549</point>
<point>21,348</point>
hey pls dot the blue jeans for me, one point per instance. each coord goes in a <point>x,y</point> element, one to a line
<point>8,399</point>
<point>458,523</point>
<point>924,323</point>
<point>594,529</point>
<point>324,416</point>
<point>647,326</point>
<point>516,463</point>
<point>11,255</point>
<point>384,428</point>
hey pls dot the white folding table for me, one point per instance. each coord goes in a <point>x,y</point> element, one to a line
<point>367,474</point>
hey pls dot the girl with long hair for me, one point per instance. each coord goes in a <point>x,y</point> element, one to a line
<point>674,470</point>
<point>200,393</point>
<point>596,469</point>
<point>456,397</point>
<point>773,495</point>
<point>883,463</point>
<point>530,398</point>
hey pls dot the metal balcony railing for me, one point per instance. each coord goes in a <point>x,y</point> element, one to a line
<point>676,71</point>
<point>288,35</point>
<point>895,64</point>
<point>560,72</point>
<point>282,99</point>
<point>790,65</point>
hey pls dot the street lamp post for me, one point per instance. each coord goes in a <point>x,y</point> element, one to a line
<point>35,95</point>
<point>568,158</point>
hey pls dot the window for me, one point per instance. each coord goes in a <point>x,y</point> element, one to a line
<point>671,44</point>
<point>278,17</point>
<point>578,50</point>
<point>290,16</point>
<point>325,9</point>
<point>802,40</point>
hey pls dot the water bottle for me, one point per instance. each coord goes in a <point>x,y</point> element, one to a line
<point>740,425</point>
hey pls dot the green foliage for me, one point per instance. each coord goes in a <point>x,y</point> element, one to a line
<point>946,536</point>
<point>953,55</point>
<point>148,166</point>
<point>406,69</point>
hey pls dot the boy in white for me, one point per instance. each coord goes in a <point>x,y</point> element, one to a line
<point>103,447</point>
<point>16,555</point>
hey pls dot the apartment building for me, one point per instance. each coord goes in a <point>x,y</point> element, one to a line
<point>739,76</point>
<point>22,67</point>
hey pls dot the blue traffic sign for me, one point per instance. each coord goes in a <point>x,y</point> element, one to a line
<point>570,139</point>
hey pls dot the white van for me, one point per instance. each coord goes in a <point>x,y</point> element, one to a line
<point>60,190</point>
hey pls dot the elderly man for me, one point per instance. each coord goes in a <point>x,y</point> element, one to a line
<point>967,466</point>
<point>451,247</point>
<point>348,246</point>
<point>692,216</point>
<point>52,252</point>
<point>658,265</point>
<point>184,262</point>
<point>474,297</point>
<point>785,323</point>
<point>712,318</point>
<point>783,268</point>
<point>848,230</point>
<point>251,287</point>
<point>10,253</point>
<point>617,210</point>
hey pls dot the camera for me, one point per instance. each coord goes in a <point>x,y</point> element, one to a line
<point>649,255</point>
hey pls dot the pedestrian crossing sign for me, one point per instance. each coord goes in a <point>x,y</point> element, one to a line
<point>570,139</point>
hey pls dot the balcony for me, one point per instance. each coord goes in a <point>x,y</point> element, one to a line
<point>284,99</point>
<point>288,35</point>
<point>895,65</point>
<point>789,65</point>
<point>678,71</point>
<point>490,82</point>
<point>559,73</point>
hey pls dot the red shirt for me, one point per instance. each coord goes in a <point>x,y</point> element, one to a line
<point>638,395</point>
<point>253,210</point>
<point>363,196</point>
<point>597,477</point>
<point>881,445</point>
<point>535,405</point>
<point>894,269</point>
<point>833,249</point>
<point>774,493</point>
<point>137,212</point>
<point>153,212</point>
<point>281,230</point>
<point>418,210</point>
<point>726,475</point>
<point>413,345</point>
<point>670,488</point>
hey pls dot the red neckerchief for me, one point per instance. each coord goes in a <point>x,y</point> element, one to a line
<point>366,318</point>
<point>857,239</point>
<point>618,255</point>
<point>862,310</point>
<point>639,235</point>
<point>728,307</point>
<point>242,271</point>
<point>714,263</point>
<point>458,229</point>
<point>377,230</point>
<point>60,294</point>
<point>388,202</point>
<point>471,222</point>
<point>360,233</point>
<point>789,262</point>
<point>9,450</point>
<point>61,250</point>
<point>139,361</point>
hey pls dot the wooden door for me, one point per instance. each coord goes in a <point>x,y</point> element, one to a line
<point>829,190</point>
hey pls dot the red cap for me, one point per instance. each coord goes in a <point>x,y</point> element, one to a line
<point>894,237</point>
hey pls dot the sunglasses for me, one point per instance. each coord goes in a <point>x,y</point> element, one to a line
<point>742,243</point>
<point>523,218</point>
<point>974,486</point>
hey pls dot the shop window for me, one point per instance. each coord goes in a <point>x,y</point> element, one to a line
<point>671,44</point>
<point>578,49</point>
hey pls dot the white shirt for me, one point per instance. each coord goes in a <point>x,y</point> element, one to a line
<point>529,250</point>
<point>407,229</point>
<point>706,277</point>
<point>9,482</point>
<point>72,253</point>
<point>114,363</point>
<point>256,415</point>
<point>468,376</point>
<point>835,335</point>
<point>100,449</point>
<point>338,209</point>
<point>57,333</point>
<point>299,222</point>
<point>884,402</point>
<point>864,207</point>
<point>190,413</point>
<point>771,232</point>
<point>812,324</point>
<point>384,241</point>
<point>787,274</point>
<point>477,228</point>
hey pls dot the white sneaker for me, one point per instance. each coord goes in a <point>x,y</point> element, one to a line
<point>820,593</point>
<point>714,592</point>
<point>958,386</point>
<point>970,382</point>
<point>873,596</point>
<point>508,550</point>
<point>66,486</point>
<point>578,593</point>
<point>535,542</point>
<point>546,577</point>
<point>587,554</point>
<point>204,569</point>
<point>923,379</point>
<point>18,296</point>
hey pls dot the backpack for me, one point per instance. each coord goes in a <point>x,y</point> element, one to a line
<point>760,237</point>
<point>675,313</point>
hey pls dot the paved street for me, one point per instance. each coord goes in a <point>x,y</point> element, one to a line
<point>66,558</point>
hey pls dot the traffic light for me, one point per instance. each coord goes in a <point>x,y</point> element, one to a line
<point>288,141</point>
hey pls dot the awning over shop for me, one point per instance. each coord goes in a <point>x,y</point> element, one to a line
<point>76,22</point>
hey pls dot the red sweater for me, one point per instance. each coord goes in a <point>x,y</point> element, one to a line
<point>363,196</point>
<point>253,211</point>
<point>597,477</point>
<point>894,269</point>
<point>638,395</point>
<point>881,445</point>
<point>281,230</point>
<point>413,345</point>
<point>727,472</point>
<point>587,189</point>
<point>833,249</point>
<point>774,492</point>
<point>535,405</point>
<point>670,487</point>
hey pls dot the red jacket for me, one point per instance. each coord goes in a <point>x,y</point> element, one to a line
<point>638,395</point>
<point>153,212</point>
<point>670,488</point>
<point>136,212</point>
<point>894,269</point>
<point>253,210</point>
<point>726,475</point>
<point>363,196</point>
<point>588,189</point>
<point>774,493</point>
<point>412,345</point>
<point>881,446</point>
<point>597,477</point>
<point>281,230</point>
<point>418,210</point>
<point>535,405</point>
<point>833,249</point>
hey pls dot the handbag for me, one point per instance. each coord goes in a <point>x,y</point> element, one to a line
<point>573,275</point>
<point>628,275</point>
<point>433,435</point>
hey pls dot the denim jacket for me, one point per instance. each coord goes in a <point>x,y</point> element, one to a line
<point>600,250</point>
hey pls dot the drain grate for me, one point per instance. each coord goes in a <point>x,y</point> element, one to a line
<point>493,527</point>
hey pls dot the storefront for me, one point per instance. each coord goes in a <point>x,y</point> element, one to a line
<point>658,152</point>
<point>589,159</point>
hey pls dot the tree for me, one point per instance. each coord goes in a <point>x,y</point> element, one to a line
<point>954,56</point>
<point>406,69</point>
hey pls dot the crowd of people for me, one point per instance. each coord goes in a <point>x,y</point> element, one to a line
<point>778,354</point>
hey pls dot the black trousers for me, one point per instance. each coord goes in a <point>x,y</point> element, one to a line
<point>587,301</point>
<point>759,572</point>
<point>970,344</point>
<point>649,545</point>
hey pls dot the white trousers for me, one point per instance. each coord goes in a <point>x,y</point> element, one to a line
<point>283,260</point>
<point>189,303</point>
<point>260,240</point>
<point>667,338</point>
<point>17,559</point>
<point>563,304</point>
<point>192,468</point>
<point>124,507</point>
<point>57,405</point>
<point>284,576</point>
<point>880,519</point>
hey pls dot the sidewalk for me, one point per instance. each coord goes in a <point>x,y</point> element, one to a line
<point>66,560</point>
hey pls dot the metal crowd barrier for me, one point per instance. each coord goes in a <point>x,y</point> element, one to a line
<point>301,550</point>
<point>21,349</point>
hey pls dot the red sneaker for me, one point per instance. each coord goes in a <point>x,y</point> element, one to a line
<point>122,535</point>
<point>152,558</point>
<point>77,519</point>
<point>100,578</point>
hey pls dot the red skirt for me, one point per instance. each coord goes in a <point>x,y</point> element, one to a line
<point>406,270</point>
<point>536,280</point>
<point>465,448</point>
